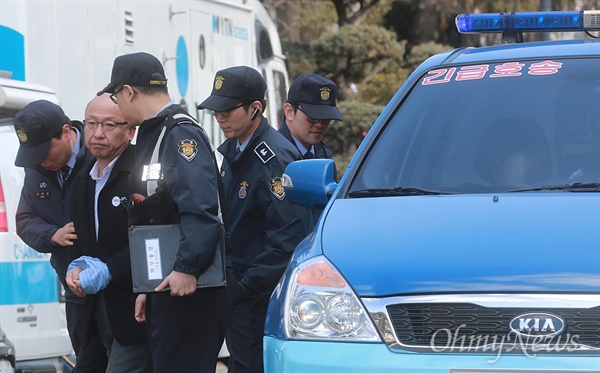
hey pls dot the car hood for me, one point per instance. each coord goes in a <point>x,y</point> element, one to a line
<point>466,243</point>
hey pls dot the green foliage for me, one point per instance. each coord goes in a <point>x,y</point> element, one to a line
<point>314,18</point>
<point>345,137</point>
<point>421,52</point>
<point>300,58</point>
<point>380,87</point>
<point>355,52</point>
<point>375,16</point>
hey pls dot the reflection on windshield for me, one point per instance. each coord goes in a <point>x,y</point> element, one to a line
<point>486,134</point>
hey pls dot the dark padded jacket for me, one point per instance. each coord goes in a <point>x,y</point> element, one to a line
<point>45,207</point>
<point>264,226</point>
<point>189,178</point>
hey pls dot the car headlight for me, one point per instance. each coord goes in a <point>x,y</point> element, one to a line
<point>321,305</point>
<point>6,366</point>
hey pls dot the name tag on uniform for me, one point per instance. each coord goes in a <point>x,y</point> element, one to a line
<point>151,172</point>
<point>43,194</point>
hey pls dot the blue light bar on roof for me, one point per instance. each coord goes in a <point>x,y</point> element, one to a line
<point>527,21</point>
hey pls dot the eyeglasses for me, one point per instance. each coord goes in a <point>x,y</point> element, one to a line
<point>113,96</point>
<point>227,113</point>
<point>310,120</point>
<point>106,126</point>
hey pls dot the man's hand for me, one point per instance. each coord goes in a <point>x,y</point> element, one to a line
<point>181,284</point>
<point>93,275</point>
<point>65,236</point>
<point>73,282</point>
<point>140,308</point>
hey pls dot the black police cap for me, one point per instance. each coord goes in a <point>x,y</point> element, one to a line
<point>136,69</point>
<point>35,125</point>
<point>317,96</point>
<point>232,85</point>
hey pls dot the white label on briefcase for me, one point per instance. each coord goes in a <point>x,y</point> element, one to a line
<point>153,259</point>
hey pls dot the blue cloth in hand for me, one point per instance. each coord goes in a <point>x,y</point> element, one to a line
<point>95,275</point>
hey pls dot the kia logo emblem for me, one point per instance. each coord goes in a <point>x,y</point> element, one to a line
<point>537,324</point>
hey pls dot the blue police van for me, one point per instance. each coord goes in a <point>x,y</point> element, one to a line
<point>465,234</point>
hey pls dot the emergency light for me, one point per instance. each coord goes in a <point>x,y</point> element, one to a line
<point>516,23</point>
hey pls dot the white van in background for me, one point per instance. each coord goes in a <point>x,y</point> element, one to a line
<point>33,330</point>
<point>70,47</point>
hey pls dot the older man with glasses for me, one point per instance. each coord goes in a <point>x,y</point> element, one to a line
<point>100,270</point>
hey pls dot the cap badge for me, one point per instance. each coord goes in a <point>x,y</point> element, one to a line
<point>219,82</point>
<point>243,189</point>
<point>187,149</point>
<point>276,187</point>
<point>22,135</point>
<point>325,93</point>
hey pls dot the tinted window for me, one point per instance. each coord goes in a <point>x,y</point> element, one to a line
<point>492,128</point>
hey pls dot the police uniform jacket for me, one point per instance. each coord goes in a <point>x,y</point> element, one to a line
<point>190,179</point>
<point>264,226</point>
<point>111,246</point>
<point>45,207</point>
<point>322,151</point>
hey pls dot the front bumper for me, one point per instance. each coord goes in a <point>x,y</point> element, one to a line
<point>303,356</point>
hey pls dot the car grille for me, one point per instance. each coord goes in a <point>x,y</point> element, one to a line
<point>472,327</point>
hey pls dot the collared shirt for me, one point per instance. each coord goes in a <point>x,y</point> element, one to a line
<point>162,111</point>
<point>240,147</point>
<point>100,182</point>
<point>302,148</point>
<point>71,162</point>
<point>76,148</point>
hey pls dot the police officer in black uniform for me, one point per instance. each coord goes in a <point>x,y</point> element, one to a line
<point>51,150</point>
<point>264,226</point>
<point>183,323</point>
<point>310,109</point>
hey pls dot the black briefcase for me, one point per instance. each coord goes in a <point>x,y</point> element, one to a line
<point>153,250</point>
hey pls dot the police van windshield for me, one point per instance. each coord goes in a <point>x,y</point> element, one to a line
<point>491,128</point>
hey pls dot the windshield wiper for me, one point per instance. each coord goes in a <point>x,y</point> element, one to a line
<point>399,191</point>
<point>574,187</point>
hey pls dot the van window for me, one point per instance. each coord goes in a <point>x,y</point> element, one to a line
<point>492,128</point>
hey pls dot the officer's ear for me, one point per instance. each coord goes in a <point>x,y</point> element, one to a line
<point>288,111</point>
<point>66,131</point>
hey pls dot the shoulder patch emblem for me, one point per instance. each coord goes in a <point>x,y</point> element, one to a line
<point>243,189</point>
<point>264,152</point>
<point>276,187</point>
<point>188,149</point>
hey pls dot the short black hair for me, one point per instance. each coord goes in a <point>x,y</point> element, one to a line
<point>58,134</point>
<point>295,104</point>
<point>247,103</point>
<point>149,91</point>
